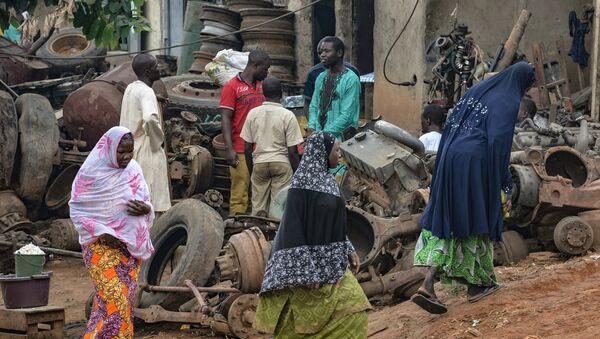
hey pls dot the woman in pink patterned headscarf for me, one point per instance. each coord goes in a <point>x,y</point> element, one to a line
<point>110,208</point>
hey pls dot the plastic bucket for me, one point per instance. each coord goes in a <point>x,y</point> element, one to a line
<point>25,292</point>
<point>27,265</point>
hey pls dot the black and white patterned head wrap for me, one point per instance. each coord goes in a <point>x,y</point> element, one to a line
<point>313,171</point>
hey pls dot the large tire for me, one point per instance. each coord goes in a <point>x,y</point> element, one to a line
<point>8,138</point>
<point>38,142</point>
<point>182,102</point>
<point>195,225</point>
<point>69,43</point>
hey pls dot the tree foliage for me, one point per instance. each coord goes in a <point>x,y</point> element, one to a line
<point>108,22</point>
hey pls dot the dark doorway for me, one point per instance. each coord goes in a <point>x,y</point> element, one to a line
<point>323,23</point>
<point>364,18</point>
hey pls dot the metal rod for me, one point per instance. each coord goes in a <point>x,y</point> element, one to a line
<point>48,250</point>
<point>204,308</point>
<point>185,289</point>
<point>10,90</point>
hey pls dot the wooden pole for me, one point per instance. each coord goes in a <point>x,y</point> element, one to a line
<point>595,63</point>
<point>512,43</point>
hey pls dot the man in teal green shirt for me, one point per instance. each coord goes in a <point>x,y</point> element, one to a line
<point>335,103</point>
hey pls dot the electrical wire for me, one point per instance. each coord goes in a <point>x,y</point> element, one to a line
<point>394,44</point>
<point>167,47</point>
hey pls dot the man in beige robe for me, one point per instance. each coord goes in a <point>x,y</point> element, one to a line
<point>141,114</point>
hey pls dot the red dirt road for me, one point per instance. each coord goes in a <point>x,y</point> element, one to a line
<point>544,297</point>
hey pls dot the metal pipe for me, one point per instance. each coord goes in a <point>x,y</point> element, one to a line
<point>389,282</point>
<point>400,135</point>
<point>204,308</point>
<point>583,137</point>
<point>48,250</point>
<point>182,289</point>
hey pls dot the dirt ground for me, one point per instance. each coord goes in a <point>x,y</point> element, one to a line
<point>545,296</point>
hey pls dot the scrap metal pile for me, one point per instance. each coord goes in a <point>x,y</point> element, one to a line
<point>556,187</point>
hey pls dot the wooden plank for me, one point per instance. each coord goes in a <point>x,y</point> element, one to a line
<point>540,78</point>
<point>577,79</point>
<point>52,334</point>
<point>13,320</point>
<point>21,319</point>
<point>562,58</point>
<point>47,317</point>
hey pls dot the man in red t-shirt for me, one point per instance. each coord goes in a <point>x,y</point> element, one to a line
<point>238,96</point>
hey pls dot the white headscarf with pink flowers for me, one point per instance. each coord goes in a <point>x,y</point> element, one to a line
<point>100,194</point>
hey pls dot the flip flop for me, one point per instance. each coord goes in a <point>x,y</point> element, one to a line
<point>430,305</point>
<point>487,291</point>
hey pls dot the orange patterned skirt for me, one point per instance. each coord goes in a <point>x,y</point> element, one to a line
<point>115,273</point>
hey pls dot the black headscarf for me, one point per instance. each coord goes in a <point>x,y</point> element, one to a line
<point>311,245</point>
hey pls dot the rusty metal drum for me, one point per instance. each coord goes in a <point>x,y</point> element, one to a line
<point>96,106</point>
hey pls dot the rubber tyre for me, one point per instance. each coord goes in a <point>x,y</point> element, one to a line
<point>514,247</point>
<point>178,102</point>
<point>68,65</point>
<point>9,134</point>
<point>203,227</point>
<point>38,143</point>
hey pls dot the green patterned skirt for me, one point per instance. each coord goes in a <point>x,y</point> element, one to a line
<point>327,312</point>
<point>466,260</point>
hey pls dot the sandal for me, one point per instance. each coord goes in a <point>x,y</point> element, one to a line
<point>429,303</point>
<point>486,291</point>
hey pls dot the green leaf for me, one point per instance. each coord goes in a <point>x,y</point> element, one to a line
<point>114,6</point>
<point>101,29</point>
<point>92,32</point>
<point>126,6</point>
<point>14,22</point>
<point>122,20</point>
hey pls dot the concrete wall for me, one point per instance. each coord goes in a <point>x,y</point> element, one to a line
<point>304,43</point>
<point>344,27</point>
<point>490,22</point>
<point>399,105</point>
<point>153,10</point>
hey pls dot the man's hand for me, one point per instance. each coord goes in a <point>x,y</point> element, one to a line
<point>354,262</point>
<point>232,158</point>
<point>137,208</point>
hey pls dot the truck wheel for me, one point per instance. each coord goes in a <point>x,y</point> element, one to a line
<point>38,142</point>
<point>573,235</point>
<point>192,92</point>
<point>511,249</point>
<point>8,138</point>
<point>198,228</point>
<point>70,44</point>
